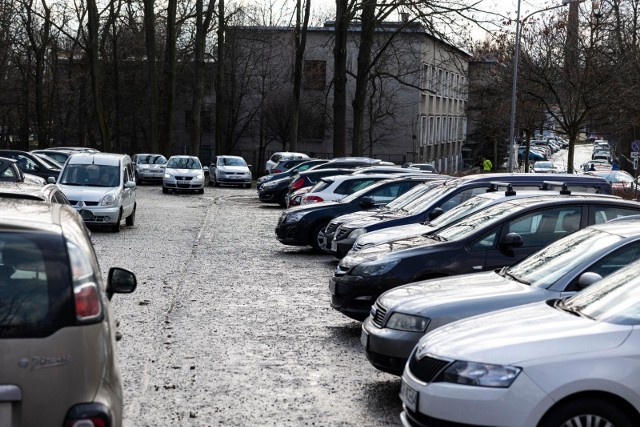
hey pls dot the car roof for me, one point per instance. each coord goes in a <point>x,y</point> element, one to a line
<point>523,177</point>
<point>623,226</point>
<point>35,215</point>
<point>24,190</point>
<point>83,158</point>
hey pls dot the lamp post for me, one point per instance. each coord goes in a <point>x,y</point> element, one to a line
<point>512,125</point>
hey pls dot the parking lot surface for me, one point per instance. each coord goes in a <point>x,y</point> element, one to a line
<point>229,327</point>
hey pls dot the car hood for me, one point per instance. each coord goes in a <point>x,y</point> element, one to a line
<point>348,218</point>
<point>461,296</point>
<point>516,335</point>
<point>183,172</point>
<point>241,169</point>
<point>377,251</point>
<point>313,206</point>
<point>373,219</point>
<point>85,194</point>
<point>393,233</point>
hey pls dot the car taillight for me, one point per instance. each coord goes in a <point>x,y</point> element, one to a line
<point>87,301</point>
<point>311,199</point>
<point>296,184</point>
<point>276,171</point>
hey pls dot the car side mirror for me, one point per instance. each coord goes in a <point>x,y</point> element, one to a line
<point>51,180</point>
<point>587,279</point>
<point>120,281</point>
<point>130,184</point>
<point>511,240</point>
<point>435,213</point>
<point>205,168</point>
<point>367,202</point>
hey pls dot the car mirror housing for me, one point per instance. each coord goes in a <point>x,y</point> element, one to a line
<point>587,279</point>
<point>367,202</point>
<point>511,240</point>
<point>120,281</point>
<point>51,180</point>
<point>435,213</point>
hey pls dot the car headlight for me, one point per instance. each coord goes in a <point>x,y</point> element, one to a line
<point>168,175</point>
<point>294,217</point>
<point>108,199</point>
<point>407,322</point>
<point>480,374</point>
<point>200,176</point>
<point>374,268</point>
<point>269,185</point>
<point>357,233</point>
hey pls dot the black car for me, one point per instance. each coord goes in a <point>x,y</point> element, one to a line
<point>285,165</point>
<point>304,225</point>
<point>495,237</point>
<point>300,167</point>
<point>452,193</point>
<point>30,163</point>
<point>276,191</point>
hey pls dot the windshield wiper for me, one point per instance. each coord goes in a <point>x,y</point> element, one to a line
<point>560,305</point>
<point>437,237</point>
<point>513,276</point>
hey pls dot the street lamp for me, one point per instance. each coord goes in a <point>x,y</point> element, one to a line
<point>512,126</point>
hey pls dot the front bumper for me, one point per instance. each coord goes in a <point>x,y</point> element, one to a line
<point>98,214</point>
<point>289,234</point>
<point>268,196</point>
<point>234,180</point>
<point>342,247</point>
<point>183,184</point>
<point>147,175</point>
<point>387,349</point>
<point>353,296</point>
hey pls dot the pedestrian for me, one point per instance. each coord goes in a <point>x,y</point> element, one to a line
<point>592,167</point>
<point>486,165</point>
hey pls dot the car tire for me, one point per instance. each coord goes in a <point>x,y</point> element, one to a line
<point>282,199</point>
<point>318,238</point>
<point>247,186</point>
<point>138,180</point>
<point>165,190</point>
<point>592,411</point>
<point>215,182</point>
<point>116,227</point>
<point>131,219</point>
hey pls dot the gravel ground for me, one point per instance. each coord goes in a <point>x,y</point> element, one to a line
<point>230,327</point>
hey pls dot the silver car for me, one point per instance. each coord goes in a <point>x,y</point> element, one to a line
<point>149,167</point>
<point>183,173</point>
<point>57,331</point>
<point>401,316</point>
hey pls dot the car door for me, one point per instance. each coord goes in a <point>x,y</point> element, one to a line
<point>537,229</point>
<point>128,194</point>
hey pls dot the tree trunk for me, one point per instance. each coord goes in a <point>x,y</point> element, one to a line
<point>340,79</point>
<point>94,63</point>
<point>150,38</point>
<point>362,75</point>
<point>219,80</point>
<point>169,78</point>
<point>300,39</point>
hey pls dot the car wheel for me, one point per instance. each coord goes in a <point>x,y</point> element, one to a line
<point>282,199</point>
<point>319,239</point>
<point>138,180</point>
<point>587,411</point>
<point>165,190</point>
<point>215,182</point>
<point>116,227</point>
<point>131,219</point>
<point>247,186</point>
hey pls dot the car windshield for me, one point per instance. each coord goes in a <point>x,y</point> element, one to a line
<point>486,218</point>
<point>614,299</point>
<point>543,165</point>
<point>231,161</point>
<point>152,159</point>
<point>549,264</point>
<point>184,163</point>
<point>427,200</point>
<point>411,195</point>
<point>462,210</point>
<point>93,175</point>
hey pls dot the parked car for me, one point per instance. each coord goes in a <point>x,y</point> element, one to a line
<point>544,167</point>
<point>183,173</point>
<point>285,165</point>
<point>60,156</point>
<point>276,191</point>
<point>50,161</point>
<point>401,316</point>
<point>229,170</point>
<point>49,193</point>
<point>9,171</point>
<point>149,167</point>
<point>337,187</point>
<point>57,330</point>
<point>279,156</point>
<point>562,362</point>
<point>101,187</point>
<point>352,163</point>
<point>30,163</point>
<point>301,167</point>
<point>534,155</point>
<point>428,167</point>
<point>450,194</point>
<point>492,238</point>
<point>75,149</point>
<point>619,179</point>
<point>304,225</point>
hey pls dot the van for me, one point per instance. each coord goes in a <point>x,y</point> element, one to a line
<point>101,187</point>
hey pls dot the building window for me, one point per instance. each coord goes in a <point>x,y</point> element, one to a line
<point>424,130</point>
<point>314,76</point>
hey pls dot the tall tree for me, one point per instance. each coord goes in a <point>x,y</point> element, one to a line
<point>152,67</point>
<point>300,40</point>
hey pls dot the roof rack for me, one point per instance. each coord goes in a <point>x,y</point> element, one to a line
<point>547,185</point>
<point>495,185</point>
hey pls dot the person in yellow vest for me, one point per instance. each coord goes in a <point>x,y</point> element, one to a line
<point>486,165</point>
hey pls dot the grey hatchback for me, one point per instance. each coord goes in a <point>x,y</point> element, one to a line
<point>57,332</point>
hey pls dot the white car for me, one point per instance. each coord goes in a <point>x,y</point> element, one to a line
<point>183,173</point>
<point>562,362</point>
<point>229,170</point>
<point>334,188</point>
<point>101,187</point>
<point>282,155</point>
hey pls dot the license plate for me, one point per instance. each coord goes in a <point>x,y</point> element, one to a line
<point>334,246</point>
<point>409,396</point>
<point>364,339</point>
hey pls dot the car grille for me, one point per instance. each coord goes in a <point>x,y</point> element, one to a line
<point>356,247</point>
<point>342,233</point>
<point>75,202</point>
<point>381,312</point>
<point>331,228</point>
<point>393,365</point>
<point>427,368</point>
<point>337,301</point>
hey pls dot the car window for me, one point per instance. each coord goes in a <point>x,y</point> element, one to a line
<point>600,214</point>
<point>91,175</point>
<point>387,193</point>
<point>485,242</point>
<point>461,197</point>
<point>9,174</point>
<point>542,227</point>
<point>352,185</point>
<point>35,290</point>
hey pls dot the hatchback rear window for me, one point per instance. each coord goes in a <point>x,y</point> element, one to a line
<point>35,286</point>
